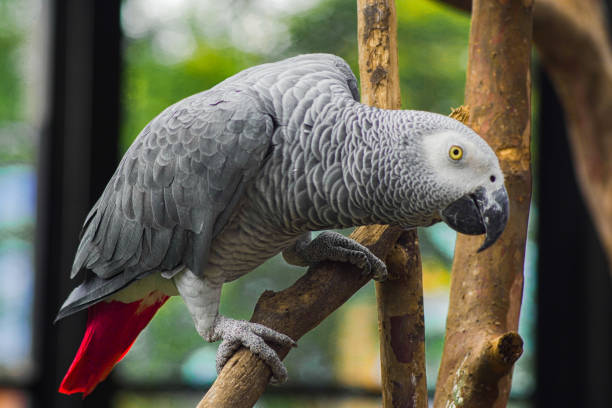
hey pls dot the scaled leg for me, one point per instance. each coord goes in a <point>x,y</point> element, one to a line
<point>332,246</point>
<point>202,296</point>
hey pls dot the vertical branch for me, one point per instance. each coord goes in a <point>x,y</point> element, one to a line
<point>377,42</point>
<point>486,289</point>
<point>400,299</point>
<point>402,326</point>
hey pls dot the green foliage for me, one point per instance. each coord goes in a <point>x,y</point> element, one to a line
<point>432,43</point>
<point>330,27</point>
<point>163,347</point>
<point>11,83</point>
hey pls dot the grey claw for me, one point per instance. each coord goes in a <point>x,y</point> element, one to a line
<point>380,272</point>
<point>280,375</point>
<point>226,349</point>
<point>332,246</point>
<point>237,333</point>
<point>272,335</point>
<point>371,265</point>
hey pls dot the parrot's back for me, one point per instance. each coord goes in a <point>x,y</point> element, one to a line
<point>186,173</point>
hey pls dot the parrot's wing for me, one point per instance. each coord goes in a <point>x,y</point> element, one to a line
<point>175,188</point>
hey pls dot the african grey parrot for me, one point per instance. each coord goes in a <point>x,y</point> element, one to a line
<point>225,179</point>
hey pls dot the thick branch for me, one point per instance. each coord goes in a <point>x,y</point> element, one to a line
<point>400,299</point>
<point>481,344</point>
<point>295,311</point>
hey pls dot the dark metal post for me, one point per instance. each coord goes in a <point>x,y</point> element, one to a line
<point>78,153</point>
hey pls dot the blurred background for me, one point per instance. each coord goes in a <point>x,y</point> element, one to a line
<point>79,79</point>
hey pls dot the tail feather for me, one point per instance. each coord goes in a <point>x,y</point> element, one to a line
<point>112,328</point>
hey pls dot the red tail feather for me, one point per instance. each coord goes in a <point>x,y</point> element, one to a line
<point>112,328</point>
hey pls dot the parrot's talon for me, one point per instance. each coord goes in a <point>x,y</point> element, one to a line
<point>332,246</point>
<point>240,333</point>
<point>372,266</point>
<point>380,273</point>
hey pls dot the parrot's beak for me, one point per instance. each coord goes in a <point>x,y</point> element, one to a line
<point>478,213</point>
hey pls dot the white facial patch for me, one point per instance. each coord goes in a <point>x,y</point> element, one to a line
<point>474,168</point>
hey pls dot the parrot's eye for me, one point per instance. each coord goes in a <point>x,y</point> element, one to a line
<point>455,153</point>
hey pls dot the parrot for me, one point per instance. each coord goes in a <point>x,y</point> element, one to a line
<point>225,179</point>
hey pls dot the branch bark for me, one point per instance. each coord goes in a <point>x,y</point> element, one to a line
<point>295,311</point>
<point>401,326</point>
<point>400,299</point>
<point>481,343</point>
<point>378,60</point>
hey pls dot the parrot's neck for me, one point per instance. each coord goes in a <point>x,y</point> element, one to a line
<point>380,162</point>
<point>336,171</point>
<point>370,165</point>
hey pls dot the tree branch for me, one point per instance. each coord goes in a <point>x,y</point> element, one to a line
<point>401,326</point>
<point>400,299</point>
<point>377,43</point>
<point>295,311</point>
<point>481,343</point>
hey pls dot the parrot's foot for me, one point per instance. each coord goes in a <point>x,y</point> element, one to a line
<point>332,246</point>
<point>237,333</point>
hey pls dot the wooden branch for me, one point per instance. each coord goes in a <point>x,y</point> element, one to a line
<point>401,326</point>
<point>486,288</point>
<point>400,299</point>
<point>476,379</point>
<point>295,311</point>
<point>378,60</point>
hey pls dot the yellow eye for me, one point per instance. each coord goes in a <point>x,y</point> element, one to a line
<point>455,153</point>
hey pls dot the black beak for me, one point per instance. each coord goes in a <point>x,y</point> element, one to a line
<point>478,213</point>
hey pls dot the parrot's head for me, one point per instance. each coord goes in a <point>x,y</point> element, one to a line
<point>470,197</point>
